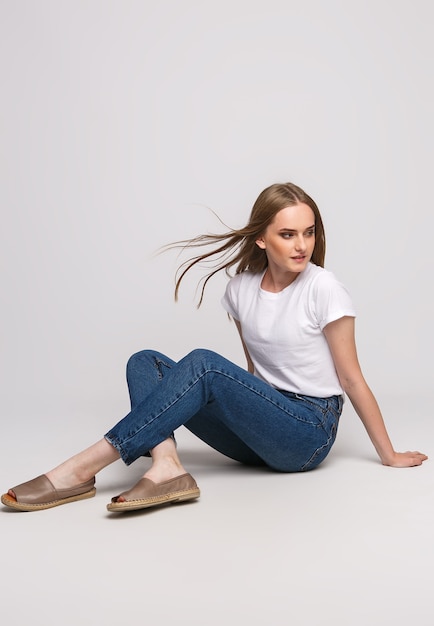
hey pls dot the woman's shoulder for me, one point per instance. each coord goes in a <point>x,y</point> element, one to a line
<point>239,290</point>
<point>245,278</point>
<point>323,283</point>
<point>321,275</point>
<point>325,289</point>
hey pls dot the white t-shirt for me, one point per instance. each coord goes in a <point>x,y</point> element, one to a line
<point>283,331</point>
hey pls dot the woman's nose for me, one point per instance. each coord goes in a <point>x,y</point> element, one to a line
<point>300,244</point>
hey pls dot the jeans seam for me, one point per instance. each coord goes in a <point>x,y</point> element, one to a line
<point>318,451</point>
<point>215,371</point>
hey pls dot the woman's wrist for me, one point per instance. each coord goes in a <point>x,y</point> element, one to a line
<point>388,459</point>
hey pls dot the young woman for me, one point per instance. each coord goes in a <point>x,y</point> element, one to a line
<point>296,324</point>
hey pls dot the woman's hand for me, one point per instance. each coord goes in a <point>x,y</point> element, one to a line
<point>405,459</point>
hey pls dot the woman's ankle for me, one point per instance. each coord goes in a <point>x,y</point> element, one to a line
<point>165,469</point>
<point>65,476</point>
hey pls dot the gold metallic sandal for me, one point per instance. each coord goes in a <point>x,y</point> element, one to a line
<point>146,493</point>
<point>40,493</point>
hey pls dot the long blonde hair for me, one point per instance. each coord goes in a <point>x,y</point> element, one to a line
<point>238,247</point>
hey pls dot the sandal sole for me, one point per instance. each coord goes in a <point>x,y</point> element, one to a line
<point>168,498</point>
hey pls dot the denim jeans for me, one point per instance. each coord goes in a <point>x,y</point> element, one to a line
<point>230,409</point>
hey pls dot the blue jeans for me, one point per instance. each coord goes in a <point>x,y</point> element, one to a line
<point>228,408</point>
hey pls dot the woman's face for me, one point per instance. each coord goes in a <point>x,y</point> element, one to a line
<point>289,241</point>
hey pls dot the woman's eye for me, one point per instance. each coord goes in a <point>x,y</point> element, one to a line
<point>308,233</point>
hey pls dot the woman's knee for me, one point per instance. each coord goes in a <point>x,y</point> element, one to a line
<point>204,356</point>
<point>136,358</point>
<point>140,360</point>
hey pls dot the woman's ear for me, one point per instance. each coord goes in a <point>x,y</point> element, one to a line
<point>260,243</point>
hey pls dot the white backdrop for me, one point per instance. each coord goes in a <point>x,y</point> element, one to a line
<point>121,122</point>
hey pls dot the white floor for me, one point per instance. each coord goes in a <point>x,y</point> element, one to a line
<point>349,544</point>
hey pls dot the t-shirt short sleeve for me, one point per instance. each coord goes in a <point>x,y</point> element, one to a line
<point>332,300</point>
<point>231,296</point>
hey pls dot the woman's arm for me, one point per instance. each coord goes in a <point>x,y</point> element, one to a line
<point>250,366</point>
<point>341,340</point>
